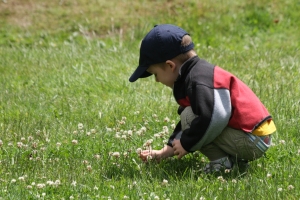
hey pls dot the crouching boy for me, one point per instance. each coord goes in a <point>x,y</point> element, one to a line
<point>220,116</point>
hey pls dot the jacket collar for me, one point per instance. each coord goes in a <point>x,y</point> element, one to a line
<point>186,67</point>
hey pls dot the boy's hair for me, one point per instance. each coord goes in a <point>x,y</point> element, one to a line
<point>186,40</point>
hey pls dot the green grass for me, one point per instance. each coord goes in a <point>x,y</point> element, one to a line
<point>63,63</point>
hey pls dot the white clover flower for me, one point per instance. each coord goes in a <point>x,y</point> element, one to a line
<point>23,139</point>
<point>156,197</point>
<point>58,144</point>
<point>89,167</point>
<point>139,150</point>
<point>112,187</point>
<point>13,180</point>
<point>85,162</point>
<point>279,190</point>
<point>269,175</point>
<point>34,145</point>
<point>21,178</point>
<point>124,137</point>
<point>73,183</point>
<point>108,129</point>
<point>166,129</point>
<point>202,198</point>
<point>71,197</point>
<point>30,138</point>
<point>124,118</point>
<point>116,154</point>
<point>57,182</point>
<point>281,141</point>
<point>173,126</point>
<point>143,129</point>
<point>97,156</point>
<point>125,197</point>
<point>88,133</point>
<point>93,131</point>
<point>136,112</point>
<point>29,187</point>
<point>227,171</point>
<point>164,182</point>
<point>234,181</point>
<point>19,144</point>
<point>75,132</point>
<point>80,126</point>
<point>74,142</point>
<point>40,185</point>
<point>129,133</point>
<point>33,183</point>
<point>166,119</point>
<point>148,142</point>
<point>290,187</point>
<point>139,133</point>
<point>96,188</point>
<point>259,165</point>
<point>154,115</point>
<point>50,182</point>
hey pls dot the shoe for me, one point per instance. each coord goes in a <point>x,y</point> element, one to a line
<point>241,165</point>
<point>218,165</point>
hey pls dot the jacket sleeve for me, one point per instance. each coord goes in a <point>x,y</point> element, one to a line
<point>176,133</point>
<point>213,108</point>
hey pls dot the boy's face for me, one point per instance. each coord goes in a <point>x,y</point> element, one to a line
<point>165,73</point>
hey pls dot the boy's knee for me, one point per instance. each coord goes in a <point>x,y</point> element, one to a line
<point>186,117</point>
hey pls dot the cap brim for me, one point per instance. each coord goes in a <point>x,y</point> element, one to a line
<point>140,72</point>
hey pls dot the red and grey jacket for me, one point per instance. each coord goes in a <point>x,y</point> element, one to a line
<point>219,99</point>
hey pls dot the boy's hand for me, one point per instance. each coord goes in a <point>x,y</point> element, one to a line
<point>157,155</point>
<point>178,149</point>
<point>150,154</point>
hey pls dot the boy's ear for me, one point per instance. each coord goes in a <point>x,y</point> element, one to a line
<point>171,64</point>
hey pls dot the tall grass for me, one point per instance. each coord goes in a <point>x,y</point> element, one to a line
<point>71,123</point>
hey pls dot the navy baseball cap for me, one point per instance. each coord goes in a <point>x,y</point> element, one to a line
<point>162,43</point>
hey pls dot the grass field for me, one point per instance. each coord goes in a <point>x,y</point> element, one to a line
<point>71,123</point>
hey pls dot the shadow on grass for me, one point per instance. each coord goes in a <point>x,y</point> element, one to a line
<point>189,168</point>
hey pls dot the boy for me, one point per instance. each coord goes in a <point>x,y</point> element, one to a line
<point>220,116</point>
